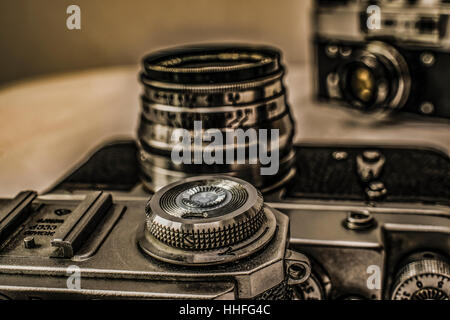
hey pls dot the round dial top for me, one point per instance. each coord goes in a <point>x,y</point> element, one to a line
<point>425,279</point>
<point>200,201</point>
<point>205,213</point>
<point>204,197</point>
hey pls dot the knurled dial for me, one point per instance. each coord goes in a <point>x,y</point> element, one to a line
<point>424,279</point>
<point>205,214</point>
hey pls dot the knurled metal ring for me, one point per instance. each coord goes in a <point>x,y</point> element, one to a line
<point>212,64</point>
<point>212,95</point>
<point>210,225</point>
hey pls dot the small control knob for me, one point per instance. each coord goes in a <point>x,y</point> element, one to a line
<point>424,278</point>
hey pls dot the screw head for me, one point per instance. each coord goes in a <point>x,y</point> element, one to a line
<point>340,155</point>
<point>427,108</point>
<point>296,271</point>
<point>376,190</point>
<point>345,51</point>
<point>359,220</point>
<point>332,51</point>
<point>427,59</point>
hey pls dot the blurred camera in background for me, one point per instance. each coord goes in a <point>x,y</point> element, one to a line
<point>381,56</point>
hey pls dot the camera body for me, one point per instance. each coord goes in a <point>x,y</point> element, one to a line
<point>386,56</point>
<point>353,247</point>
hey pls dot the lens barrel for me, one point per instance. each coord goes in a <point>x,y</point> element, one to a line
<point>375,78</point>
<point>223,88</point>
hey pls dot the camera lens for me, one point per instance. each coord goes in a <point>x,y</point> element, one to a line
<point>362,84</point>
<point>375,78</point>
<point>196,90</point>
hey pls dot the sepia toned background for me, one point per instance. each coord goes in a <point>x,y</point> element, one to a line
<point>34,39</point>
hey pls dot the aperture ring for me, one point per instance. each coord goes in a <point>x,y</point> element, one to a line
<point>217,117</point>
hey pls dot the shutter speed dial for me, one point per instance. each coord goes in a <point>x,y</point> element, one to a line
<point>206,220</point>
<point>426,278</point>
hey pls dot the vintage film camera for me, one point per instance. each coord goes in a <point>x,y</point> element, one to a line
<point>335,222</point>
<point>384,56</point>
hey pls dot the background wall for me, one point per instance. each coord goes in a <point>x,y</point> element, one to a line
<point>34,39</point>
